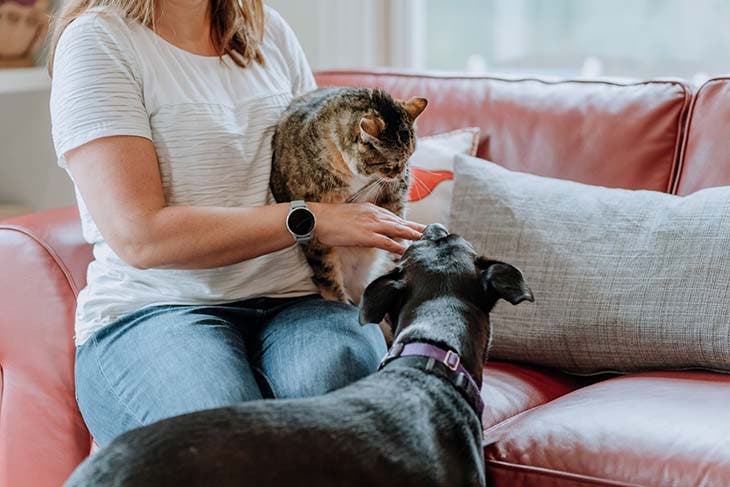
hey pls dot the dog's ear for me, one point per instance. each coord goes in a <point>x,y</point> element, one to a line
<point>504,281</point>
<point>381,297</point>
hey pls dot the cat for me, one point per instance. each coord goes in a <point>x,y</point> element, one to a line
<point>344,145</point>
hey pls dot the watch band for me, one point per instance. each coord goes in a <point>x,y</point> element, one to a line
<point>298,204</point>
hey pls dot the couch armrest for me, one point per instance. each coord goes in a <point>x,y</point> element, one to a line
<point>43,261</point>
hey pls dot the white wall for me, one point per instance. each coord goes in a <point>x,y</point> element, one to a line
<point>29,175</point>
<point>339,34</point>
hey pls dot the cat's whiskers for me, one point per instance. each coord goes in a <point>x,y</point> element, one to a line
<point>357,194</point>
<point>385,184</point>
<point>381,184</point>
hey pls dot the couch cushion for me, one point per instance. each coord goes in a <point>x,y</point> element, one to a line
<point>706,154</point>
<point>614,134</point>
<point>649,429</point>
<point>510,389</point>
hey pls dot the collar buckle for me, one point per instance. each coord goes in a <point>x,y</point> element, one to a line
<point>451,366</point>
<point>452,360</point>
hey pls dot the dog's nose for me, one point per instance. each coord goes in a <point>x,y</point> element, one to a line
<point>435,231</point>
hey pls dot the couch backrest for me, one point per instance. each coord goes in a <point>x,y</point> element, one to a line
<point>706,154</point>
<point>613,134</point>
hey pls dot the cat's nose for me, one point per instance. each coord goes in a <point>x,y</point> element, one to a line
<point>435,231</point>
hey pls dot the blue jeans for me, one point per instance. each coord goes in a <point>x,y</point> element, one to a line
<point>164,361</point>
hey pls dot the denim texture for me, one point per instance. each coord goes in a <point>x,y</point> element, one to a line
<point>164,361</point>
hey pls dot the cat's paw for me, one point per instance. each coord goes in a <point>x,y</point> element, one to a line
<point>335,295</point>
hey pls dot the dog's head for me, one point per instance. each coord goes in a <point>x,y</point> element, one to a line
<point>441,270</point>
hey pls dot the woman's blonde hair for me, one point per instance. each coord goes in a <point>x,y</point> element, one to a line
<point>236,26</point>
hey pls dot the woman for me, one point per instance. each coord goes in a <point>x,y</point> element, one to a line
<point>198,297</point>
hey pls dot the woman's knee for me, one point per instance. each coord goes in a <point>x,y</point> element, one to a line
<point>355,350</point>
<point>104,415</point>
<point>325,351</point>
<point>130,377</point>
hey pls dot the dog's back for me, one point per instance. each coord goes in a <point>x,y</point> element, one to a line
<point>399,427</point>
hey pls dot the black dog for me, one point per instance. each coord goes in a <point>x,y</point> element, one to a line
<point>414,423</point>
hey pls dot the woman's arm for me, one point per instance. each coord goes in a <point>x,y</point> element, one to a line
<point>119,181</point>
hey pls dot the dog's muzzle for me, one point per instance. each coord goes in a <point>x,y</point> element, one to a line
<point>435,231</point>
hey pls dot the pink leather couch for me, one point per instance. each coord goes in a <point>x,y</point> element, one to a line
<point>541,427</point>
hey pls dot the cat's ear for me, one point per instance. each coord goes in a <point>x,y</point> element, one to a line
<point>371,127</point>
<point>415,106</point>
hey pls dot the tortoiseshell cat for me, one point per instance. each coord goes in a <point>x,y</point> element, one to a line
<point>344,145</point>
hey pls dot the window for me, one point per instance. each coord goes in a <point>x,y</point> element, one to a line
<point>573,38</point>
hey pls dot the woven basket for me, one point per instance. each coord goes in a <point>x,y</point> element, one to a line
<point>23,29</point>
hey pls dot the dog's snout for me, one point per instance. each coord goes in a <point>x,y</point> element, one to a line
<point>435,231</point>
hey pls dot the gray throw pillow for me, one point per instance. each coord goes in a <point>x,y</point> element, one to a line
<point>623,280</point>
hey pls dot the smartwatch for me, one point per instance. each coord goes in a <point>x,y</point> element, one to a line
<point>300,221</point>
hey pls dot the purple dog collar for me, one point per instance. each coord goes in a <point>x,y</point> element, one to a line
<point>460,377</point>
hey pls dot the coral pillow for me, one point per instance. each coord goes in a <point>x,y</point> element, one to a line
<point>432,166</point>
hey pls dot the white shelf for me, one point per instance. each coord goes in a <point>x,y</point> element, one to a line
<point>24,80</point>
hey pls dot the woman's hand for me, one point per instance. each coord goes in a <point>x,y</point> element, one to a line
<point>362,225</point>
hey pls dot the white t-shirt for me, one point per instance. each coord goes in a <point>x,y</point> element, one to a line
<point>211,125</point>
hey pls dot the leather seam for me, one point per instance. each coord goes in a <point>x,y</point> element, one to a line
<point>688,129</point>
<point>560,474</point>
<point>2,395</point>
<point>680,138</point>
<point>64,269</point>
<point>466,77</point>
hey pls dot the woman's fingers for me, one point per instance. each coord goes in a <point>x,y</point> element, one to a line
<point>398,230</point>
<point>365,225</point>
<point>388,244</point>
<point>416,226</point>
<point>385,215</point>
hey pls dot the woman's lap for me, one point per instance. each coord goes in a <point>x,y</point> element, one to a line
<point>158,363</point>
<point>166,361</point>
<point>316,346</point>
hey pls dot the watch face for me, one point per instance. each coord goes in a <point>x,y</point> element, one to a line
<point>301,222</point>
